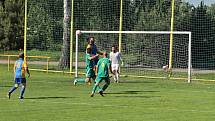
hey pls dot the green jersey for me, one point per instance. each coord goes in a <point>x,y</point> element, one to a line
<point>103,66</point>
<point>89,63</point>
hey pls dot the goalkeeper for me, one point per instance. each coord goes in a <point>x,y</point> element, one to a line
<point>115,58</point>
<point>90,73</point>
<point>92,45</point>
<point>102,70</point>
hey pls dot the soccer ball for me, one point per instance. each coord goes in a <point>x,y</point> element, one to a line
<point>78,32</point>
<point>165,68</point>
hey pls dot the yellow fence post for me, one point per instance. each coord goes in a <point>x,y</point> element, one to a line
<point>171,38</point>
<point>8,62</point>
<point>47,66</point>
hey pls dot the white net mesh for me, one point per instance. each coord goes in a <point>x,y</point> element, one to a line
<point>144,54</point>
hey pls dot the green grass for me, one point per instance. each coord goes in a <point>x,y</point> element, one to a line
<point>52,97</point>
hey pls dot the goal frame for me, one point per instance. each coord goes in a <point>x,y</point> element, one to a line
<point>78,32</point>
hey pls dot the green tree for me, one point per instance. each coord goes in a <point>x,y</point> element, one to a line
<point>11,24</point>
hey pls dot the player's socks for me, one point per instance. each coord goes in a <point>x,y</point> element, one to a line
<point>22,91</point>
<point>117,77</point>
<point>79,81</point>
<point>94,88</point>
<point>12,89</point>
<point>114,77</point>
<point>105,87</point>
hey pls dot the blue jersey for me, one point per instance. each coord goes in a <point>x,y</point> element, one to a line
<point>93,48</point>
<point>20,66</point>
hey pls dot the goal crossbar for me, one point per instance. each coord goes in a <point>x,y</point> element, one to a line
<point>136,32</point>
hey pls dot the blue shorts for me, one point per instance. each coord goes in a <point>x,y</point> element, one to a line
<point>20,80</point>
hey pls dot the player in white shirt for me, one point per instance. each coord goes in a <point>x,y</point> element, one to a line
<point>116,60</point>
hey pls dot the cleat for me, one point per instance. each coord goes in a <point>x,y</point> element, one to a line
<point>8,95</point>
<point>91,95</point>
<point>21,97</point>
<point>101,93</point>
<point>75,82</point>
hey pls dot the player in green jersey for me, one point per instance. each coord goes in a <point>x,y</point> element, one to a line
<point>103,67</point>
<point>90,74</point>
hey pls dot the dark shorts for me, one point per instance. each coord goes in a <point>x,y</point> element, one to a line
<point>90,73</point>
<point>95,61</point>
<point>20,80</point>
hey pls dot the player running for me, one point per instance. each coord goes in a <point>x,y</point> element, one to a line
<point>20,67</point>
<point>102,69</point>
<point>116,59</point>
<point>90,74</point>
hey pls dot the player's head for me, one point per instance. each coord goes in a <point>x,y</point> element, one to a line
<point>105,54</point>
<point>21,55</point>
<point>89,50</point>
<point>114,48</point>
<point>91,40</point>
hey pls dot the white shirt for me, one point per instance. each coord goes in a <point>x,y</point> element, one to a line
<point>115,58</point>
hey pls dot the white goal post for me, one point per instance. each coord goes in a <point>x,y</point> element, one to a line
<point>80,32</point>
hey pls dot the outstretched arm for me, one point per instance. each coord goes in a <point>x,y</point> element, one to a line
<point>93,57</point>
<point>27,70</point>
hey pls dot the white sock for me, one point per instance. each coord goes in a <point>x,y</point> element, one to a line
<point>114,77</point>
<point>117,76</point>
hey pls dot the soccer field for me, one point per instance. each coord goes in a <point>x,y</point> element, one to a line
<point>53,97</point>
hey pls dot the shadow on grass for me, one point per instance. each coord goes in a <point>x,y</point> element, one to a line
<point>131,96</point>
<point>138,81</point>
<point>132,92</point>
<point>49,97</point>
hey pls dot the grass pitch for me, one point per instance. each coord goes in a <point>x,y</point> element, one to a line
<point>53,97</point>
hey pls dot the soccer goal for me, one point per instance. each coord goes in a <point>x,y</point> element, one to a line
<point>144,53</point>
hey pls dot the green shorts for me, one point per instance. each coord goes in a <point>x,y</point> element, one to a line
<point>90,73</point>
<point>100,79</point>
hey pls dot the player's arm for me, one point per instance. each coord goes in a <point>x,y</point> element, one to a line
<point>26,69</point>
<point>120,57</point>
<point>93,57</point>
<point>98,52</point>
<point>110,57</point>
<point>110,68</point>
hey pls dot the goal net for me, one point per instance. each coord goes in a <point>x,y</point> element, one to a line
<point>144,53</point>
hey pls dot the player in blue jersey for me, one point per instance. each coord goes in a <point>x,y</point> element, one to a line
<point>92,45</point>
<point>20,68</point>
<point>103,67</point>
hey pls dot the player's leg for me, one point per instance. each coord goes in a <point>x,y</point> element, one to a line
<point>107,83</point>
<point>89,74</point>
<point>22,90</point>
<point>117,73</point>
<point>96,85</point>
<point>114,72</point>
<point>114,75</point>
<point>16,85</point>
